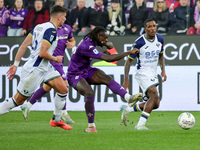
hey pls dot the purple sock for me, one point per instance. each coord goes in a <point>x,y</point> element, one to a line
<point>116,88</point>
<point>64,108</point>
<point>89,108</point>
<point>37,95</point>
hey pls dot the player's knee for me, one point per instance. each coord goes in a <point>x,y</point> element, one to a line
<point>63,90</point>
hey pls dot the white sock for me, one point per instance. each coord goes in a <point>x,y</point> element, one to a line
<point>127,97</point>
<point>7,105</point>
<point>143,118</point>
<point>29,105</point>
<point>59,102</point>
<point>91,125</point>
<point>137,107</point>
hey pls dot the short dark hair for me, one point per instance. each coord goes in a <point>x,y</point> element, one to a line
<point>57,9</point>
<point>148,20</point>
<point>93,35</point>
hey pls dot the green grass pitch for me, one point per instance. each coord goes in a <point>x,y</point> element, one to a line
<point>37,134</point>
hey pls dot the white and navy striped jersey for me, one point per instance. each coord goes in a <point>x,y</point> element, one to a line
<point>147,58</point>
<point>47,32</point>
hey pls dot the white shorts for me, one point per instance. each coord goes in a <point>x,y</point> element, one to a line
<point>30,81</point>
<point>146,81</point>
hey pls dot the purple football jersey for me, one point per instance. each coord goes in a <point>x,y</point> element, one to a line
<point>64,33</point>
<point>81,59</point>
<point>18,18</point>
<point>3,27</point>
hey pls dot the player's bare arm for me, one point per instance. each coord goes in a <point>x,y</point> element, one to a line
<point>45,54</point>
<point>70,43</point>
<point>12,70</point>
<point>126,73</point>
<point>162,66</point>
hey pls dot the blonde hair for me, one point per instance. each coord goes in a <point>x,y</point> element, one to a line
<point>155,7</point>
<point>111,11</point>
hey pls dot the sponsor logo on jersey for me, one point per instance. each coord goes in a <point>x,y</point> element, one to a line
<point>51,38</point>
<point>65,36</point>
<point>153,80</point>
<point>76,77</point>
<point>53,31</point>
<point>65,29</point>
<point>95,51</point>
<point>25,91</point>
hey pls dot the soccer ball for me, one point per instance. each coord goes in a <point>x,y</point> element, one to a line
<point>186,120</point>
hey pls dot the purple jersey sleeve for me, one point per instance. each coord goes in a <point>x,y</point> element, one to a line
<point>92,52</point>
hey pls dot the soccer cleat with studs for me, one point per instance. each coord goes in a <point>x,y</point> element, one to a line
<point>124,114</point>
<point>25,111</point>
<point>141,128</point>
<point>66,118</point>
<point>60,124</point>
<point>91,129</point>
<point>134,99</point>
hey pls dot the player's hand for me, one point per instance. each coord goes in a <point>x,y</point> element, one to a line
<point>69,45</point>
<point>135,51</point>
<point>11,72</point>
<point>109,45</point>
<point>164,77</point>
<point>59,59</point>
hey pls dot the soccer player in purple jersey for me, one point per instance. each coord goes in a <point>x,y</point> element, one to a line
<point>81,75</point>
<point>66,39</point>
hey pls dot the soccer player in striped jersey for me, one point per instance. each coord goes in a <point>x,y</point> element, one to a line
<point>37,69</point>
<point>150,46</point>
<point>65,39</point>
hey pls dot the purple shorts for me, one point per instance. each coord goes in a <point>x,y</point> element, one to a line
<point>59,68</point>
<point>73,78</point>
